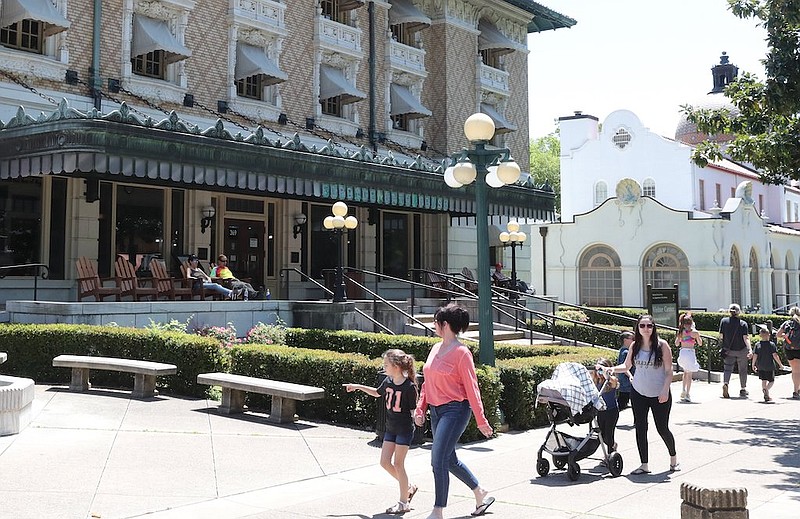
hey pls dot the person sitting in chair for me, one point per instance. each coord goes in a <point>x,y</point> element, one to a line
<point>199,278</point>
<point>239,287</point>
<point>498,278</point>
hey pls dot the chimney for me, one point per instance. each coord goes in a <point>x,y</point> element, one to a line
<point>575,130</point>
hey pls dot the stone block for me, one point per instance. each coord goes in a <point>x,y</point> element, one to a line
<point>16,402</point>
<point>713,503</point>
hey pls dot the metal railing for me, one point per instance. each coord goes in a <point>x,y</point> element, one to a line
<point>40,270</point>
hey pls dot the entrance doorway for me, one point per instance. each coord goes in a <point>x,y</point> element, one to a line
<point>244,246</point>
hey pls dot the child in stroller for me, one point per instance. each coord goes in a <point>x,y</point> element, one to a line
<point>572,397</point>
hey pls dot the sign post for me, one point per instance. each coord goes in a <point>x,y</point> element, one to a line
<point>662,304</point>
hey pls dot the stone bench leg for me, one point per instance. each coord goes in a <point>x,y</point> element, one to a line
<point>80,380</point>
<point>283,410</point>
<point>144,386</point>
<point>232,401</point>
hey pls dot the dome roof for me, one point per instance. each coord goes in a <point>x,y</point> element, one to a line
<point>686,131</point>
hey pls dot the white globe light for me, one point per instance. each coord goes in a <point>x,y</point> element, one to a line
<point>491,178</point>
<point>479,127</point>
<point>465,172</point>
<point>328,222</point>
<point>504,237</point>
<point>512,226</point>
<point>351,222</point>
<point>449,179</point>
<point>522,236</point>
<point>338,222</point>
<point>513,236</point>
<point>508,172</point>
<point>339,209</point>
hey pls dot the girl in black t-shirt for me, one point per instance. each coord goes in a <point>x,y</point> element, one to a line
<point>399,392</point>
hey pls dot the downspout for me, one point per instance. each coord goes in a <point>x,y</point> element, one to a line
<point>94,70</point>
<point>372,130</point>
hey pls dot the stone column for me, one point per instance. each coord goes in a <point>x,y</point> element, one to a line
<point>711,503</point>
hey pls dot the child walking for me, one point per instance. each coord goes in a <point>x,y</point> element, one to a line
<point>765,357</point>
<point>607,420</point>
<point>687,338</point>
<point>399,392</point>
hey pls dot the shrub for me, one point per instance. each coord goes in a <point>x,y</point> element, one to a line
<point>267,333</point>
<point>225,335</point>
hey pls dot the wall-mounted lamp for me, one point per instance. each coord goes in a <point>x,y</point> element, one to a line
<point>208,213</point>
<point>299,224</point>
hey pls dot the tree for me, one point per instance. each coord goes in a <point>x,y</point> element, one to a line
<point>545,163</point>
<point>767,125</point>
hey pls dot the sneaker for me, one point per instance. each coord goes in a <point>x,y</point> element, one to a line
<point>688,399</point>
<point>743,392</point>
<point>725,391</point>
<point>683,396</point>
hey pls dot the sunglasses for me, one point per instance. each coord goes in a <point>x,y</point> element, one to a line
<point>646,325</point>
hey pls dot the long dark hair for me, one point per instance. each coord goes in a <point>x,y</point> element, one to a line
<point>638,341</point>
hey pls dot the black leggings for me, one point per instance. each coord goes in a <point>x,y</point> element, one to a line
<point>641,405</point>
<point>607,422</point>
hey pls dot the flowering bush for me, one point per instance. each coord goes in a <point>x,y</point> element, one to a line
<point>267,333</point>
<point>226,335</point>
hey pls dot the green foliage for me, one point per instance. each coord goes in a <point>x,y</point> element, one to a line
<point>31,350</point>
<point>351,341</point>
<point>172,326</point>
<point>267,333</point>
<point>573,314</point>
<point>766,126</point>
<point>545,163</point>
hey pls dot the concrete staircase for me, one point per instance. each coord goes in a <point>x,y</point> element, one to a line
<point>501,332</point>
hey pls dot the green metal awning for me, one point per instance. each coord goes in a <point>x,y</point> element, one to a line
<point>150,35</point>
<point>44,11</point>
<point>544,18</point>
<point>251,60</point>
<point>491,38</point>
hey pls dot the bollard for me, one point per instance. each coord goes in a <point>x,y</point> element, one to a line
<point>713,503</point>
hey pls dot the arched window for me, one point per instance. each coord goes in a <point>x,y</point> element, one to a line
<point>755,285</point>
<point>600,277</point>
<point>600,193</point>
<point>649,187</point>
<point>736,276</point>
<point>666,265</point>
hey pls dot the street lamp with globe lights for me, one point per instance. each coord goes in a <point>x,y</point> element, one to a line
<point>486,167</point>
<point>513,238</point>
<point>339,223</point>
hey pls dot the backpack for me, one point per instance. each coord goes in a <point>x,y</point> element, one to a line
<point>791,340</point>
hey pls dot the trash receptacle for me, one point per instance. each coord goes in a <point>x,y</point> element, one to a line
<point>380,413</point>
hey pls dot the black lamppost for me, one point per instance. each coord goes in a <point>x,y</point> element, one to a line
<point>513,238</point>
<point>339,223</point>
<point>487,167</point>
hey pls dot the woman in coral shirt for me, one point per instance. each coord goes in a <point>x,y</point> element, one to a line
<point>451,391</point>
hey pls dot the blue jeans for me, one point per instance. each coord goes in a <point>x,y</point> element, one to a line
<point>448,422</point>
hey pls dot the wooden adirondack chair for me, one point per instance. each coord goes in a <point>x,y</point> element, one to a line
<point>90,284</point>
<point>470,283</point>
<point>199,291</point>
<point>165,285</point>
<point>128,283</point>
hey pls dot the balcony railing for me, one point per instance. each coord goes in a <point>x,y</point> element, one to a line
<point>338,36</point>
<point>407,58</point>
<point>494,79</point>
<point>262,11</point>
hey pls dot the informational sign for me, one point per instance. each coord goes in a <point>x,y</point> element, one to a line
<point>662,304</point>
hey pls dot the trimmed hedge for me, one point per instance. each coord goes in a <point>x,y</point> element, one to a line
<point>31,349</point>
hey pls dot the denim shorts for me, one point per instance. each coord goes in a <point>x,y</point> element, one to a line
<point>400,439</point>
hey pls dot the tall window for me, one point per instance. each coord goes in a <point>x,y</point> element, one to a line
<point>332,106</point>
<point>395,245</point>
<point>736,277</point>
<point>20,221</point>
<point>400,122</point>
<point>251,87</point>
<point>492,58</point>
<point>150,64</point>
<point>140,224</point>
<point>600,193</point>
<point>600,277</point>
<point>666,265</point>
<point>331,10</point>
<point>402,34</point>
<point>718,194</point>
<point>25,35</point>
<point>649,187</point>
<point>755,284</point>
<point>701,188</point>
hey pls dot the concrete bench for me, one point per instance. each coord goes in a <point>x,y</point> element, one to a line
<point>284,394</point>
<point>145,372</point>
<point>16,402</point>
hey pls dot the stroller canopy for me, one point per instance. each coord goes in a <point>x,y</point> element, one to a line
<point>572,383</point>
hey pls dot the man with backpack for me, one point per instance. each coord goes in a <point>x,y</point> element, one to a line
<point>735,336</point>
<point>790,333</point>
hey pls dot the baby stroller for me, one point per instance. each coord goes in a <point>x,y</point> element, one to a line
<point>572,397</point>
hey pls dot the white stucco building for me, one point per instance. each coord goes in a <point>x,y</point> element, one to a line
<point>636,210</point>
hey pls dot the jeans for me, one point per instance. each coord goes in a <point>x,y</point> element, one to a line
<point>448,422</point>
<point>641,406</point>
<point>735,357</point>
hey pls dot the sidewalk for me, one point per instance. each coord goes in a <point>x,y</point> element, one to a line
<point>104,455</point>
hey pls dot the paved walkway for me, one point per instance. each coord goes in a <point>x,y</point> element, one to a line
<point>103,455</point>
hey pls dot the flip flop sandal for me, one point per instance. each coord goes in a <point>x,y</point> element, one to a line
<point>639,471</point>
<point>412,490</point>
<point>398,509</point>
<point>482,509</point>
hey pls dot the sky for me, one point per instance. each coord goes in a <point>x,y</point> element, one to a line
<point>646,56</point>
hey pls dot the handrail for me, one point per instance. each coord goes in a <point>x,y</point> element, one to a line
<point>44,272</point>
<point>325,289</point>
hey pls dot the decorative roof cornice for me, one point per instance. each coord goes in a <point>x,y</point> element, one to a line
<point>544,18</point>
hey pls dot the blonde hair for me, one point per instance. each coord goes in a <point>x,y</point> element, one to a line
<point>404,361</point>
<point>794,313</point>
